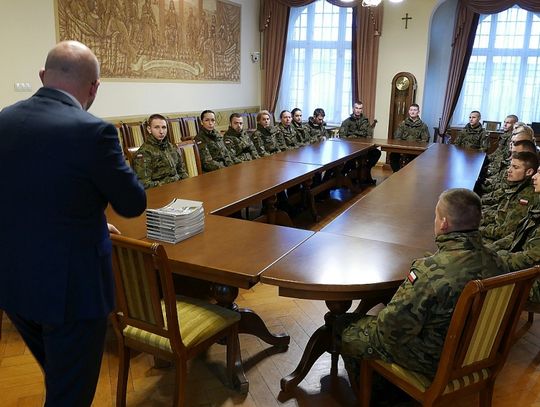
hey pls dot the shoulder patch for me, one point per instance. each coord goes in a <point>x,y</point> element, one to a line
<point>412,277</point>
<point>139,156</point>
<point>199,142</point>
<point>523,202</point>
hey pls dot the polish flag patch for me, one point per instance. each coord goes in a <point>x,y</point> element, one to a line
<point>412,277</point>
<point>524,202</point>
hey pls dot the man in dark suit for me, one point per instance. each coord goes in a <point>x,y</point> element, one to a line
<point>61,166</point>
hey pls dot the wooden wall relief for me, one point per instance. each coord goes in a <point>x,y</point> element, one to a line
<point>157,39</point>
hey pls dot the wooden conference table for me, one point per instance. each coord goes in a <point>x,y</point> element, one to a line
<point>337,265</point>
<point>232,253</point>
<point>366,252</point>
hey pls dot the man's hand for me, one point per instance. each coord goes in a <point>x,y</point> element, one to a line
<point>112,229</point>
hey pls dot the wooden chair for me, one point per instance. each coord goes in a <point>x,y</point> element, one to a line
<point>131,152</point>
<point>175,130</point>
<point>1,317</point>
<point>149,318</point>
<point>530,308</point>
<point>134,134</point>
<point>190,154</point>
<point>491,125</point>
<point>479,338</point>
<point>190,128</point>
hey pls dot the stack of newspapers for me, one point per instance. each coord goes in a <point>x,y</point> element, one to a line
<point>176,221</point>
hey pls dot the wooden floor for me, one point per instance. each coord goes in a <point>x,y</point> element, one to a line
<point>21,382</point>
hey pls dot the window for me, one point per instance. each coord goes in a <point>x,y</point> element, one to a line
<point>503,76</point>
<point>317,65</point>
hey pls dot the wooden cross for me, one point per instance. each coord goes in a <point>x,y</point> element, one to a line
<point>406,18</point>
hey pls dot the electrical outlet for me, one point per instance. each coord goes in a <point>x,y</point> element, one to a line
<point>22,87</point>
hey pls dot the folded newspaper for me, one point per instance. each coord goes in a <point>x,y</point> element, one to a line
<point>177,221</point>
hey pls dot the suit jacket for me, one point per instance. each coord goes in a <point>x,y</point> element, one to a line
<point>60,167</point>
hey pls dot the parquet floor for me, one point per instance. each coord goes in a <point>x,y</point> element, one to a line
<point>21,382</point>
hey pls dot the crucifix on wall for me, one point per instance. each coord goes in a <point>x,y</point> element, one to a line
<point>406,18</point>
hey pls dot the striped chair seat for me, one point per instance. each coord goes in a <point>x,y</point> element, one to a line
<point>422,382</point>
<point>198,320</point>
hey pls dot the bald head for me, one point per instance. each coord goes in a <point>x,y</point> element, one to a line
<point>72,67</point>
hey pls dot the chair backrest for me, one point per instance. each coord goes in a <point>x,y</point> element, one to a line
<point>134,134</point>
<point>190,128</point>
<point>131,152</point>
<point>175,130</point>
<point>143,279</point>
<point>252,121</point>
<point>483,324</point>
<point>190,154</point>
<point>491,125</point>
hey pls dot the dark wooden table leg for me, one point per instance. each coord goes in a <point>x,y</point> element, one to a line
<point>321,341</point>
<point>250,322</point>
<point>309,199</point>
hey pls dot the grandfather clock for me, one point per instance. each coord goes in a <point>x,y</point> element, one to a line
<point>403,95</point>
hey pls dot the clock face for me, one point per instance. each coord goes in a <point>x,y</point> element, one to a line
<point>402,83</point>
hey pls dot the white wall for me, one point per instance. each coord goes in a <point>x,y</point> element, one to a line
<point>28,32</point>
<point>401,49</point>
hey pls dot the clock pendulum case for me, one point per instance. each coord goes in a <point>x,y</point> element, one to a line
<point>402,97</point>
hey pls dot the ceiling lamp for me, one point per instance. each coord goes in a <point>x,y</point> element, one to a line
<point>375,3</point>
<point>371,3</point>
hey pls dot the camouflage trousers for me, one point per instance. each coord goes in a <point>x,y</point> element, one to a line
<point>534,295</point>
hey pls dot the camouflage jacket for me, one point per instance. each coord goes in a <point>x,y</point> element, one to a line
<point>158,162</point>
<point>473,137</point>
<point>317,132</point>
<point>269,139</point>
<point>503,218</point>
<point>258,142</point>
<point>356,127</point>
<point>240,145</point>
<point>500,154</point>
<point>496,182</point>
<point>302,133</point>
<point>289,135</point>
<point>411,329</point>
<point>521,249</point>
<point>415,130</point>
<point>214,154</point>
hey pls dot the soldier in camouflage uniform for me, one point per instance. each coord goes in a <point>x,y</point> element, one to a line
<point>411,329</point>
<point>317,126</point>
<point>521,249</point>
<point>473,134</point>
<point>497,178</point>
<point>502,218</point>
<point>237,141</point>
<point>413,129</point>
<point>214,154</point>
<point>265,137</point>
<point>357,126</point>
<point>503,147</point>
<point>500,184</point>
<point>287,131</point>
<point>302,130</point>
<point>157,161</point>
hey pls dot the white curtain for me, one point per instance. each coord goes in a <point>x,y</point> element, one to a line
<point>503,76</point>
<point>317,66</point>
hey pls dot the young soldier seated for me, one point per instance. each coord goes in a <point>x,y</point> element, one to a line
<point>473,134</point>
<point>411,329</point>
<point>157,161</point>
<point>413,129</point>
<point>357,126</point>
<point>265,138</point>
<point>237,141</point>
<point>501,219</point>
<point>521,249</point>
<point>287,131</point>
<point>214,154</point>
